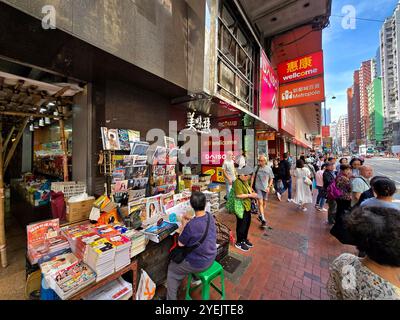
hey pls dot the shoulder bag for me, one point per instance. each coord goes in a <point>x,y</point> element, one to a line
<point>177,253</point>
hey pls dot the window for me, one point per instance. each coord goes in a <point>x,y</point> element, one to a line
<point>236,56</point>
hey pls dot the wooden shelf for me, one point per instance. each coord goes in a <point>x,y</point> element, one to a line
<point>96,285</point>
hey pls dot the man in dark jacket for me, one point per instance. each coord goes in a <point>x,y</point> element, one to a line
<point>284,169</point>
<point>329,177</point>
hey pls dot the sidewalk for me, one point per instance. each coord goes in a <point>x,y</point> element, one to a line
<point>291,261</point>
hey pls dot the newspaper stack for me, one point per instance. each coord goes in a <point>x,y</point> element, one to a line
<point>100,257</point>
<point>212,201</point>
<point>74,233</point>
<point>115,290</point>
<point>83,243</point>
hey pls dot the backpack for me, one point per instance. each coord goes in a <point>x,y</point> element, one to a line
<point>333,192</point>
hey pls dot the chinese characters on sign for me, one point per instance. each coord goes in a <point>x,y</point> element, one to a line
<point>301,68</point>
<point>200,124</point>
<point>302,92</point>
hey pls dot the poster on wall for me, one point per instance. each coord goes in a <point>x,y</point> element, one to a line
<point>269,88</point>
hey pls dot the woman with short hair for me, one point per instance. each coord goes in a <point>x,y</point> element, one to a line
<point>376,231</point>
<point>384,189</point>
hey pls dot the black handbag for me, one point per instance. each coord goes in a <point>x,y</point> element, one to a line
<point>177,253</point>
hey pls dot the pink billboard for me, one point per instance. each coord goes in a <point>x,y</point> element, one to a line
<point>269,88</point>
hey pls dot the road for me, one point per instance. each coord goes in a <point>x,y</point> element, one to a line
<point>389,167</point>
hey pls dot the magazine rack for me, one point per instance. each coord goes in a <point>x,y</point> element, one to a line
<point>96,285</point>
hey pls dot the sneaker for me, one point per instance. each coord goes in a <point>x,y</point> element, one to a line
<point>279,196</point>
<point>304,209</point>
<point>317,207</point>
<point>263,223</point>
<point>242,246</point>
<point>248,243</point>
<point>323,209</point>
<point>260,218</point>
<point>289,200</point>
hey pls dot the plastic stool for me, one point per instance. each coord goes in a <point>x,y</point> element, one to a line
<point>206,277</point>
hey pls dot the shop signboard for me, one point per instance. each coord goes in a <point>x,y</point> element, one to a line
<point>302,92</point>
<point>265,136</point>
<point>301,68</point>
<point>228,122</point>
<point>269,88</point>
<point>326,131</point>
<point>317,141</point>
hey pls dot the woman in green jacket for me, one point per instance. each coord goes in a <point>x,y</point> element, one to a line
<point>244,192</point>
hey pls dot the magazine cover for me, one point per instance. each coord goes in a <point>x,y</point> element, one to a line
<point>159,170</point>
<point>138,208</point>
<point>129,161</point>
<point>129,173</point>
<point>153,210</point>
<point>139,172</point>
<point>169,142</point>
<point>167,200</point>
<point>136,194</point>
<point>159,181</point>
<point>134,136</point>
<point>160,156</point>
<point>39,232</point>
<point>124,140</point>
<point>172,156</point>
<point>170,170</point>
<point>118,161</point>
<point>140,161</point>
<point>110,139</point>
<point>118,175</point>
<point>140,148</point>
<point>138,184</point>
<point>121,186</point>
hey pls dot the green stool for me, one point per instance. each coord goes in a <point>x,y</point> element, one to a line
<point>207,277</point>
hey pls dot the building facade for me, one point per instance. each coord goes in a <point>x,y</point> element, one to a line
<point>390,64</point>
<point>375,102</point>
<point>343,132</point>
<point>365,80</point>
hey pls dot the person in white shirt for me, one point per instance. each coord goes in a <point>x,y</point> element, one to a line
<point>229,171</point>
<point>241,161</point>
<point>361,183</point>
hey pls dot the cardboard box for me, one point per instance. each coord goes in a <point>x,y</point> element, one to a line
<point>77,211</point>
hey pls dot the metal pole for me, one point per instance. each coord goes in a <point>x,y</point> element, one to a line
<point>3,247</point>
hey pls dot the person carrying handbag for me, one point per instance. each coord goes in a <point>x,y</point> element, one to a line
<point>239,202</point>
<point>196,249</point>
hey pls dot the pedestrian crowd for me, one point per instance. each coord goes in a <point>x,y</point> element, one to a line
<point>360,207</point>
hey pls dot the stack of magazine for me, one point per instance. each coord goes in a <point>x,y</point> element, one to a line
<point>100,257</point>
<point>122,250</point>
<point>138,242</point>
<point>66,275</point>
<point>114,290</point>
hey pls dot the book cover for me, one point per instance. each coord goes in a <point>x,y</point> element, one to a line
<point>140,148</point>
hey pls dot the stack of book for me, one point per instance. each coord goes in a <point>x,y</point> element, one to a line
<point>138,242</point>
<point>73,233</point>
<point>72,279</point>
<point>100,257</point>
<point>122,246</point>
<point>114,290</point>
<point>82,245</point>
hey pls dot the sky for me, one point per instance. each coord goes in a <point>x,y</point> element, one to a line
<point>345,49</point>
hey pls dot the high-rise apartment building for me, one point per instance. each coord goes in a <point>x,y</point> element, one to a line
<point>350,115</point>
<point>343,132</point>
<point>365,81</point>
<point>390,63</point>
<point>375,102</point>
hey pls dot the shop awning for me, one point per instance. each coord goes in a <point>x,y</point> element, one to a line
<point>274,17</point>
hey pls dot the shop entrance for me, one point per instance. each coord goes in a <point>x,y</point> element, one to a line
<point>36,113</point>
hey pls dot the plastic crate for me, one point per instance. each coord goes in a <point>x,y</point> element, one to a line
<point>69,189</point>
